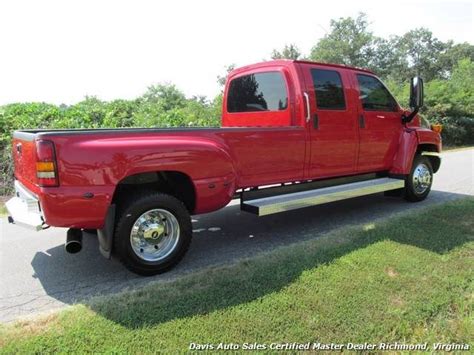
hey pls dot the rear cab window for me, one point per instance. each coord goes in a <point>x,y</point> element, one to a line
<point>374,96</point>
<point>259,99</point>
<point>257,92</point>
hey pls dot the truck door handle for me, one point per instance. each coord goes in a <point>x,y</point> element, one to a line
<point>361,121</point>
<point>380,116</point>
<point>308,114</point>
<point>315,121</point>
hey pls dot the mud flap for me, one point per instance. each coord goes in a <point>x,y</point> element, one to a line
<point>106,234</point>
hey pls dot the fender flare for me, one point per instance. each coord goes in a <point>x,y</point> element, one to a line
<point>409,146</point>
<point>435,159</point>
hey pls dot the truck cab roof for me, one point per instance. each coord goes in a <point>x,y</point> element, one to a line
<point>286,62</point>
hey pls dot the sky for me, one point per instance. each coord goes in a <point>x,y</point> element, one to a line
<point>61,51</point>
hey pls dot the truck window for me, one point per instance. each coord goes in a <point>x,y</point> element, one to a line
<point>374,95</point>
<point>329,89</point>
<point>257,92</point>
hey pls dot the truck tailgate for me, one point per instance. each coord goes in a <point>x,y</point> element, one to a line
<point>24,157</point>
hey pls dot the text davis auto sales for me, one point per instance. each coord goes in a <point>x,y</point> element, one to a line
<point>331,346</point>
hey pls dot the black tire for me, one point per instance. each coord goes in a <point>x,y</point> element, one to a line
<point>415,193</point>
<point>132,209</point>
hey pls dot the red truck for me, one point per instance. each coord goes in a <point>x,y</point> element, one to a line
<point>295,134</point>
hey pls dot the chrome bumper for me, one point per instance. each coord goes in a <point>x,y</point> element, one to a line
<point>24,209</point>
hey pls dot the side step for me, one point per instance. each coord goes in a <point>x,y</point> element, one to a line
<point>292,201</point>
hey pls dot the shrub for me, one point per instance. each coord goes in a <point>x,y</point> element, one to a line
<point>457,130</point>
<point>449,102</point>
<point>161,106</point>
<point>6,172</point>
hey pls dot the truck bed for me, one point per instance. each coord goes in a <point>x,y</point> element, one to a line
<point>227,158</point>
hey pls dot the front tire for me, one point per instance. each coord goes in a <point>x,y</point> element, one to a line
<point>153,233</point>
<point>418,183</point>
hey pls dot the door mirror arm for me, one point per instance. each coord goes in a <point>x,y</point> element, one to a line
<point>408,118</point>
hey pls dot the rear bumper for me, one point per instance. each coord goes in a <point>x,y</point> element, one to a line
<point>24,209</point>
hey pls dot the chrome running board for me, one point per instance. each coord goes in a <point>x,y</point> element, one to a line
<point>280,203</point>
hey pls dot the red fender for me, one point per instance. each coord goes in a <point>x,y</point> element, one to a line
<point>406,152</point>
<point>412,141</point>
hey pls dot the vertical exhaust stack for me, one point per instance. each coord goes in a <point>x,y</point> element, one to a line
<point>73,241</point>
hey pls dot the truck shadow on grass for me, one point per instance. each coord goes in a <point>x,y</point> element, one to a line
<point>220,287</point>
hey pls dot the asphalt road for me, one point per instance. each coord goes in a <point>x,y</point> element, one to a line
<point>37,275</point>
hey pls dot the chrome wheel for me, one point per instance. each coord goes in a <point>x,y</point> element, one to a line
<point>154,235</point>
<point>421,178</point>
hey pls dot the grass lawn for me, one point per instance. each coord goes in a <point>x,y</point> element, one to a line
<point>407,279</point>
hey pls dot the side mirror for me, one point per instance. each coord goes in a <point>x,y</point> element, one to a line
<point>416,92</point>
<point>416,98</point>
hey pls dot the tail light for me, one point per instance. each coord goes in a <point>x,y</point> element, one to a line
<point>46,170</point>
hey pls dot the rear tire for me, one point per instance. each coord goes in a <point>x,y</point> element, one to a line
<point>153,233</point>
<point>418,183</point>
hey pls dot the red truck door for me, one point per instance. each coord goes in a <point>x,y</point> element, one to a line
<point>332,122</point>
<point>379,123</point>
<point>272,150</point>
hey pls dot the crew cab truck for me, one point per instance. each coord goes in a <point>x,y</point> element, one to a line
<point>294,134</point>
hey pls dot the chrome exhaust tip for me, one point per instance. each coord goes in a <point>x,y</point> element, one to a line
<point>73,241</point>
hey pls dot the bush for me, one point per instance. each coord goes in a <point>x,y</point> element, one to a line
<point>160,106</point>
<point>6,172</point>
<point>457,131</point>
<point>449,102</point>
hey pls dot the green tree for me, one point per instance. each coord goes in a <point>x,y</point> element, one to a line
<point>388,59</point>
<point>120,113</point>
<point>290,51</point>
<point>349,42</point>
<point>422,51</point>
<point>453,97</point>
<point>167,96</point>
<point>453,54</point>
